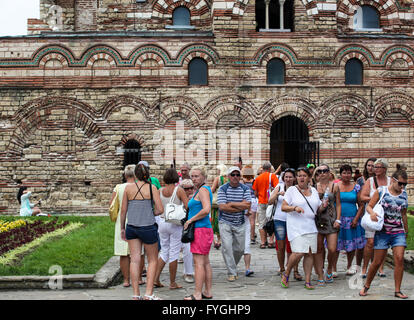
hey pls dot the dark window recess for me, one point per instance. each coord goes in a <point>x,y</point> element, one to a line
<point>275,70</point>
<point>132,153</point>
<point>370,18</point>
<point>354,72</point>
<point>197,72</point>
<point>181,16</point>
<point>274,15</point>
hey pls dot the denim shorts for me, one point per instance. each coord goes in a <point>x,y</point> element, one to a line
<point>280,229</point>
<point>383,240</point>
<point>147,234</point>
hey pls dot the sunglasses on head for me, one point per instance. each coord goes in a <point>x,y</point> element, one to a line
<point>235,174</point>
<point>322,171</point>
<point>401,184</point>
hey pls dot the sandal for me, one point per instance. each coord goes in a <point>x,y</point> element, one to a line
<point>158,285</point>
<point>271,245</point>
<point>285,281</point>
<point>137,298</point>
<point>399,294</point>
<point>329,278</point>
<point>177,286</point>
<point>308,286</point>
<point>364,291</point>
<point>381,275</point>
<point>190,297</point>
<point>206,297</point>
<point>153,297</point>
<point>297,276</point>
<point>262,246</point>
<point>321,283</point>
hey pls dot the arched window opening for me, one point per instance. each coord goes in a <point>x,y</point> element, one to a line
<point>181,17</point>
<point>354,72</point>
<point>367,18</point>
<point>197,72</point>
<point>275,70</point>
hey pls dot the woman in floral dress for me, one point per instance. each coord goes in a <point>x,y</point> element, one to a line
<point>351,237</point>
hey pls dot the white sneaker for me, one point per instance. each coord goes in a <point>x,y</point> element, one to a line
<point>188,278</point>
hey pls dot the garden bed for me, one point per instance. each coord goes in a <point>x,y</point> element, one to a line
<point>78,245</point>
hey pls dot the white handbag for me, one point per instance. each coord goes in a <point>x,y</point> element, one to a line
<point>269,208</point>
<point>370,225</point>
<point>174,213</point>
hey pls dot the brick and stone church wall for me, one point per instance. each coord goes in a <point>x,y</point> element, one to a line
<point>73,96</point>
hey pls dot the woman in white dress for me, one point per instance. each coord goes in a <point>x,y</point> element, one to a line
<point>27,208</point>
<point>301,202</point>
<point>121,248</point>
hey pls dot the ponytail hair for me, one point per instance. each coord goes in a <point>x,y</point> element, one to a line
<point>142,173</point>
<point>20,193</point>
<point>401,166</point>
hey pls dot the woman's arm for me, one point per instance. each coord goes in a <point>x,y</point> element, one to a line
<point>112,198</point>
<point>405,221</point>
<point>124,209</point>
<point>287,208</point>
<point>371,205</point>
<point>338,206</point>
<point>274,195</point>
<point>182,196</point>
<point>214,187</point>
<point>365,191</point>
<point>158,207</point>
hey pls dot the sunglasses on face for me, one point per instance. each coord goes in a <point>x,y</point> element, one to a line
<point>322,171</point>
<point>376,167</point>
<point>401,184</point>
<point>235,174</point>
<point>188,188</point>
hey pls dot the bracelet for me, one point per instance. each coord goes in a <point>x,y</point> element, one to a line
<point>294,209</point>
<point>338,221</point>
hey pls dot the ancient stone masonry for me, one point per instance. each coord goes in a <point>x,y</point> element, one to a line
<point>94,75</point>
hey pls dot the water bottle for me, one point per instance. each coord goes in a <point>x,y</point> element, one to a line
<point>326,195</point>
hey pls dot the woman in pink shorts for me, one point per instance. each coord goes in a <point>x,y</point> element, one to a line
<point>199,208</point>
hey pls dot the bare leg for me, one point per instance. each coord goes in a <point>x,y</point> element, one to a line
<point>173,273</point>
<point>319,256</point>
<point>398,253</point>
<point>281,248</point>
<point>200,276</point>
<point>152,255</point>
<point>307,266</point>
<point>208,271</point>
<point>373,268</point>
<point>160,267</point>
<point>247,259</point>
<point>368,254</point>
<point>332,240</point>
<point>135,249</point>
<point>124,262</point>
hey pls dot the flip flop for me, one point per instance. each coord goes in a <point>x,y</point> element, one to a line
<point>126,285</point>
<point>141,283</point>
<point>158,285</point>
<point>399,294</point>
<point>364,291</point>
<point>190,297</point>
<point>206,297</point>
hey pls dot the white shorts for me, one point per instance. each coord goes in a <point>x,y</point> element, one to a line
<point>369,234</point>
<point>253,205</point>
<point>247,236</point>
<point>301,244</point>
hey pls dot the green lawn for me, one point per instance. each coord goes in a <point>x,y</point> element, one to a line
<point>410,237</point>
<point>83,251</point>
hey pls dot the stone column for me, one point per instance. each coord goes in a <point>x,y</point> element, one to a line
<point>267,2</point>
<point>281,3</point>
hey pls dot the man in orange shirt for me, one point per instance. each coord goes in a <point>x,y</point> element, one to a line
<point>261,187</point>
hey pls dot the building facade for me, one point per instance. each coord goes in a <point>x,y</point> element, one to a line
<point>98,84</point>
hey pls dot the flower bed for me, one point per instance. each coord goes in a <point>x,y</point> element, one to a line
<point>26,232</point>
<point>10,225</point>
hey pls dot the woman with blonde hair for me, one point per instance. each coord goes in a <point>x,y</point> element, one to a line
<point>121,248</point>
<point>199,208</point>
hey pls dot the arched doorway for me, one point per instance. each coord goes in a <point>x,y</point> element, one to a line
<point>132,152</point>
<point>289,142</point>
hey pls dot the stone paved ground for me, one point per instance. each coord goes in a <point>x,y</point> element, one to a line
<point>264,285</point>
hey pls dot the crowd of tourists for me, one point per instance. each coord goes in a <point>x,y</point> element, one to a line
<point>307,214</point>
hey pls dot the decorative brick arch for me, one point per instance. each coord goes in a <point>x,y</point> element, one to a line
<point>139,55</point>
<point>53,56</point>
<point>35,113</point>
<point>183,107</point>
<point>276,50</point>
<point>126,101</point>
<point>354,51</point>
<point>347,8</point>
<point>275,109</point>
<point>235,104</point>
<point>197,51</point>
<point>101,56</point>
<point>395,102</point>
<point>354,106</point>
<point>404,53</point>
<point>132,136</point>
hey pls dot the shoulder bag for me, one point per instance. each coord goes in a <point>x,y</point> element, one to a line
<point>174,213</point>
<point>306,200</point>
<point>366,221</point>
<point>188,234</point>
<point>114,207</point>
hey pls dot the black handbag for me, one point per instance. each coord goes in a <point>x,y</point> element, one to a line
<point>188,234</point>
<point>269,226</point>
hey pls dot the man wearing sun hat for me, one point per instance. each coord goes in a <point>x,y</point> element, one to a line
<point>233,198</point>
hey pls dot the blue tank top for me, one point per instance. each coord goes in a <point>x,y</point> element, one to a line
<point>348,203</point>
<point>195,207</point>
